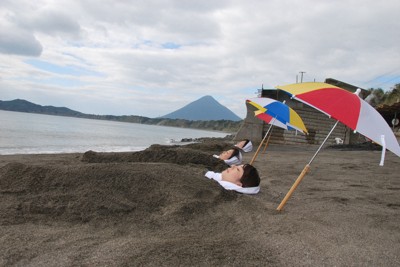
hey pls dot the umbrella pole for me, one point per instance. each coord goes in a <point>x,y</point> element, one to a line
<point>266,143</point>
<point>304,172</point>
<point>262,142</point>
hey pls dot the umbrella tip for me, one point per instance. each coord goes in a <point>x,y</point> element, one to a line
<point>358,91</point>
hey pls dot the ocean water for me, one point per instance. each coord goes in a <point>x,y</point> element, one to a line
<point>27,133</point>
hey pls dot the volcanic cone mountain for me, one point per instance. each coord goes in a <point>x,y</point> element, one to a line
<point>205,108</point>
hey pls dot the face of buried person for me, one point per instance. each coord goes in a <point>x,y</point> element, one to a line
<point>233,174</point>
<point>226,154</point>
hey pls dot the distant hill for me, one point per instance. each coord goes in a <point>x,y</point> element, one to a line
<point>205,108</point>
<point>26,106</point>
<point>21,105</point>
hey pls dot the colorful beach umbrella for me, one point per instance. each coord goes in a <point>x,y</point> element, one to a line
<point>278,114</point>
<point>270,108</point>
<point>346,107</point>
<point>349,109</point>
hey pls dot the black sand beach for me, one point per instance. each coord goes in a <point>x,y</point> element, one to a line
<point>156,208</point>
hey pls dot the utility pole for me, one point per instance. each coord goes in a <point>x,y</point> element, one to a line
<point>301,77</point>
<point>259,91</point>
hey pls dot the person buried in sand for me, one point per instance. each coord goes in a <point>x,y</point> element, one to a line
<point>231,156</point>
<point>242,178</point>
<point>245,145</point>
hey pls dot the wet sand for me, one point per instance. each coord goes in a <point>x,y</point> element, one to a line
<point>156,208</point>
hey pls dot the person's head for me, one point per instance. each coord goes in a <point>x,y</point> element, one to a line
<point>250,177</point>
<point>242,175</point>
<point>242,143</point>
<point>228,154</point>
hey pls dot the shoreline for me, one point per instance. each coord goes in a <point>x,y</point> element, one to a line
<point>124,209</point>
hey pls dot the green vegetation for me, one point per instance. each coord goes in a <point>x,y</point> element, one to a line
<point>380,97</point>
<point>216,125</point>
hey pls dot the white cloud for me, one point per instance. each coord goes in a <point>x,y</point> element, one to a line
<point>152,57</point>
<point>19,42</point>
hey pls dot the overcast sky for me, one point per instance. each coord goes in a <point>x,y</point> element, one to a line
<point>150,58</point>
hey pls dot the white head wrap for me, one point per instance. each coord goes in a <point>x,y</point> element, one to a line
<point>234,160</point>
<point>248,147</point>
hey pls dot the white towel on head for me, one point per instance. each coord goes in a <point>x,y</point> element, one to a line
<point>240,157</point>
<point>248,147</point>
<point>233,161</point>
